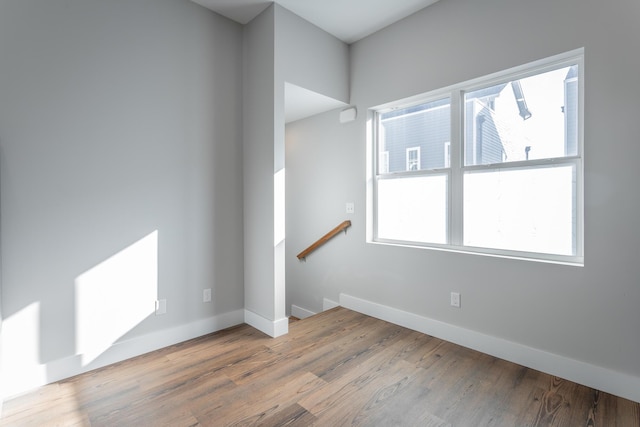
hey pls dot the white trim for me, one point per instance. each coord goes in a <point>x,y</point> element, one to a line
<point>446,161</point>
<point>303,313</point>
<point>72,365</point>
<point>273,328</point>
<point>300,313</point>
<point>457,169</point>
<point>597,377</point>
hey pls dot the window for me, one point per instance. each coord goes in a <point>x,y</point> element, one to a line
<point>491,166</point>
<point>413,159</point>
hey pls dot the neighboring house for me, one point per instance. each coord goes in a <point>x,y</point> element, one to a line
<point>418,138</point>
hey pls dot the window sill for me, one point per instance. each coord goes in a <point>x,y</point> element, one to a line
<point>573,261</point>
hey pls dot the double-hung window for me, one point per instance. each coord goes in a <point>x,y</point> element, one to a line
<point>491,166</point>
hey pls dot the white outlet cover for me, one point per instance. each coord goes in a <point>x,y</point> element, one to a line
<point>206,295</point>
<point>455,299</point>
<point>350,207</point>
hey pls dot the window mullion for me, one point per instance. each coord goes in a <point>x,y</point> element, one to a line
<point>455,177</point>
<point>516,192</point>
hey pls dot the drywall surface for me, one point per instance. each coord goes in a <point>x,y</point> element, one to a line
<point>1,364</point>
<point>309,57</point>
<point>588,314</point>
<point>259,123</point>
<point>277,49</point>
<point>321,153</point>
<point>121,155</point>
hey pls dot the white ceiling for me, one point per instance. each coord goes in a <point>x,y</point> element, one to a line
<point>348,20</point>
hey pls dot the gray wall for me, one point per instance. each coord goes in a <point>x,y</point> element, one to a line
<point>117,119</point>
<point>309,57</point>
<point>279,47</point>
<point>258,142</point>
<point>1,364</point>
<point>589,313</point>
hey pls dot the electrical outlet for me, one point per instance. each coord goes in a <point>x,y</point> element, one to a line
<point>455,299</point>
<point>350,207</point>
<point>161,306</point>
<point>206,295</point>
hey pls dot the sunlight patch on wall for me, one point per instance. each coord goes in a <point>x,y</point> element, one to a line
<point>24,359</point>
<point>115,296</point>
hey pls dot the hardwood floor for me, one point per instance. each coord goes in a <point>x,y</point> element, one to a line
<point>337,368</point>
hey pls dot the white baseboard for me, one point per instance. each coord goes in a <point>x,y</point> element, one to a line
<point>593,376</point>
<point>273,328</point>
<point>38,375</point>
<point>303,313</point>
<point>300,313</point>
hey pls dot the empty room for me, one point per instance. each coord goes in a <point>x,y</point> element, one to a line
<point>319,212</point>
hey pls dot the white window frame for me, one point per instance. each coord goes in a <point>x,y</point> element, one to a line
<point>456,168</point>
<point>447,154</point>
<point>410,161</point>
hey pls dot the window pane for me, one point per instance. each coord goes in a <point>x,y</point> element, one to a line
<point>530,210</point>
<point>413,159</point>
<point>413,209</point>
<point>422,130</point>
<point>531,118</point>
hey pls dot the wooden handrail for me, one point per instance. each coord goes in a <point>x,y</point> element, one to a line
<point>324,239</point>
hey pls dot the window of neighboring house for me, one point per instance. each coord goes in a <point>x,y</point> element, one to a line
<point>492,166</point>
<point>413,159</point>
<point>384,162</point>
<point>447,154</point>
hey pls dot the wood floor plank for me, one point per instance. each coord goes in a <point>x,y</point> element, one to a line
<point>609,410</point>
<point>341,388</point>
<point>353,402</point>
<point>294,415</point>
<point>336,368</point>
<point>256,404</point>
